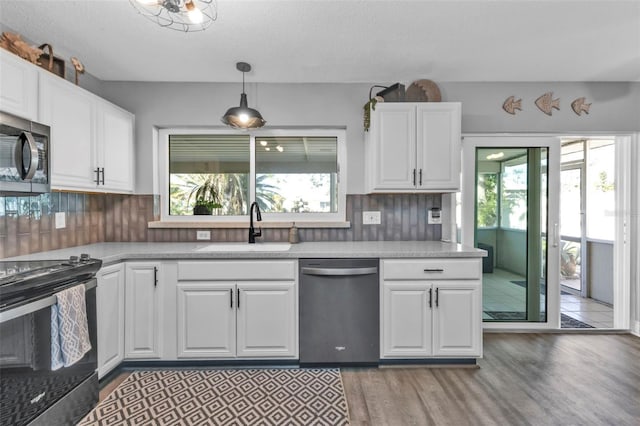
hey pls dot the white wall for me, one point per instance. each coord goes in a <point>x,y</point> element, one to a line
<point>615,108</point>
<point>177,104</point>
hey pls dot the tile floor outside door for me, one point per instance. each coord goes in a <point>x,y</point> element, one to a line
<point>502,295</point>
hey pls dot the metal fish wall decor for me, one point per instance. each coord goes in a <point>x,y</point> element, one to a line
<point>510,105</point>
<point>579,105</point>
<point>546,103</point>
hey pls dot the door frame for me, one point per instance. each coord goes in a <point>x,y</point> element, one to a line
<point>583,223</point>
<point>622,252</point>
<point>552,143</point>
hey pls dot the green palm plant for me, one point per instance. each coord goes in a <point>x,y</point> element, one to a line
<point>206,196</point>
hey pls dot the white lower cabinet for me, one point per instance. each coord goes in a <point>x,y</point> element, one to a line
<point>424,317</point>
<point>266,319</point>
<point>143,310</point>
<point>242,318</point>
<point>110,307</point>
<point>457,319</point>
<point>206,320</point>
<point>407,322</point>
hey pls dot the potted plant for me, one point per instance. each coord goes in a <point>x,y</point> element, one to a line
<point>206,197</point>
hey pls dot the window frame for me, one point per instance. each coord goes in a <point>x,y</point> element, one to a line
<point>162,175</point>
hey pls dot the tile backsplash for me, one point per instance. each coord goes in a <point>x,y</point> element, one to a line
<point>27,224</point>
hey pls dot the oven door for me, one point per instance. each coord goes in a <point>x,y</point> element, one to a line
<point>28,386</point>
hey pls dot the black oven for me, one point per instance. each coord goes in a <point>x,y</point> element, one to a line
<point>32,391</point>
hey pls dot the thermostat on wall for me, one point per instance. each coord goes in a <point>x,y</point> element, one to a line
<point>434,216</point>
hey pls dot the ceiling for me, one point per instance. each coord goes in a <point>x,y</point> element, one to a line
<point>346,41</point>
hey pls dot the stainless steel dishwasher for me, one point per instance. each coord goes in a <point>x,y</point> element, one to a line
<point>339,312</point>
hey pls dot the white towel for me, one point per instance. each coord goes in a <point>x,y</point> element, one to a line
<point>69,328</point>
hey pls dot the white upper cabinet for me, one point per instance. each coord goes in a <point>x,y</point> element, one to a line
<point>91,139</point>
<point>414,147</point>
<point>71,115</point>
<point>18,86</point>
<point>114,147</point>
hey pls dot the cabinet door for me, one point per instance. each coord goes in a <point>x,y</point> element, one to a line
<point>110,304</point>
<point>115,147</point>
<point>267,325</point>
<point>393,152</point>
<point>438,145</point>
<point>206,319</point>
<point>70,111</point>
<point>18,86</point>
<point>142,310</point>
<point>457,319</point>
<point>406,320</point>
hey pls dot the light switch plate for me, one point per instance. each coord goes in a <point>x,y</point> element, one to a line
<point>203,235</point>
<point>371,218</point>
<point>61,221</point>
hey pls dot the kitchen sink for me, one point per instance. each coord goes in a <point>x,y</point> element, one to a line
<point>245,247</point>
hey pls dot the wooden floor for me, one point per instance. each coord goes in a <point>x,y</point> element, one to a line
<point>523,379</point>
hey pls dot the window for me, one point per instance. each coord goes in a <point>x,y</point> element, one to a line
<point>601,199</point>
<point>297,174</point>
<point>293,175</point>
<point>219,163</point>
<point>513,203</point>
<point>487,206</point>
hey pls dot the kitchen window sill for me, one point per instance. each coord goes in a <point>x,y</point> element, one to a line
<point>245,224</point>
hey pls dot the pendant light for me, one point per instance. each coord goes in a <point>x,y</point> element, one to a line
<point>243,117</point>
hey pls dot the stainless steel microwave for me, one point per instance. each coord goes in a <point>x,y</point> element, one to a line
<point>24,156</point>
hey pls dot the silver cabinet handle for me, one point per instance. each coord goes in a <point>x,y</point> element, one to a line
<point>25,140</point>
<point>430,297</point>
<point>437,297</point>
<point>414,177</point>
<point>420,177</point>
<point>339,271</point>
<point>231,298</point>
<point>434,270</point>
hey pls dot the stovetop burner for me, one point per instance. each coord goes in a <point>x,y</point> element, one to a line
<point>25,281</point>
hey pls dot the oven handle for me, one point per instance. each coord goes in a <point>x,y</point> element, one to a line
<point>39,304</point>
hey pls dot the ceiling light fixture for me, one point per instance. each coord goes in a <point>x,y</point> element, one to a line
<point>495,156</point>
<point>179,15</point>
<point>243,117</point>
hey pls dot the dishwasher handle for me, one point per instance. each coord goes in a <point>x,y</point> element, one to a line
<point>339,271</point>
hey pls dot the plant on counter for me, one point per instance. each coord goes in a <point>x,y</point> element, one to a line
<point>206,197</point>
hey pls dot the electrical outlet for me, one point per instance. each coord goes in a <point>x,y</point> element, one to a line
<point>203,235</point>
<point>61,220</point>
<point>371,218</point>
<point>434,216</point>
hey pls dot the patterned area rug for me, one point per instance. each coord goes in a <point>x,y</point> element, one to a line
<point>565,320</point>
<point>225,397</point>
<point>543,289</point>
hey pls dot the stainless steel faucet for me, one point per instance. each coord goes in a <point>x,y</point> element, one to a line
<point>252,233</point>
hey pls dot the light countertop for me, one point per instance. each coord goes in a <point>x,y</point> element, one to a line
<point>116,252</point>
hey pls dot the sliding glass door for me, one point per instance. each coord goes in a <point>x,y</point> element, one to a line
<point>510,208</point>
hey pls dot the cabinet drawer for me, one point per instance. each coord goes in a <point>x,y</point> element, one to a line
<point>431,269</point>
<point>237,270</point>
